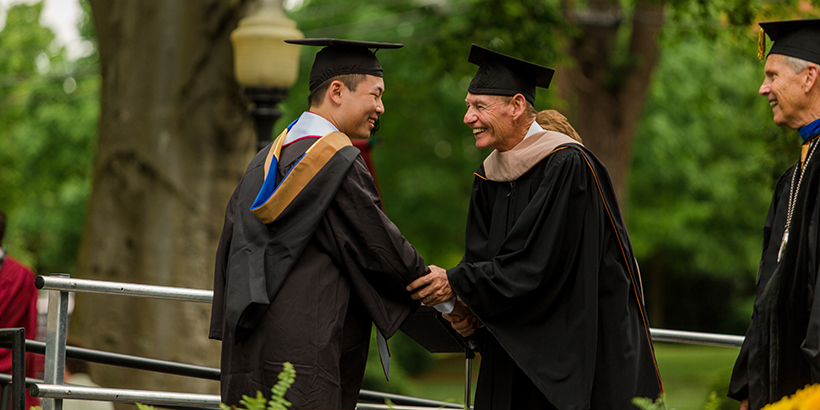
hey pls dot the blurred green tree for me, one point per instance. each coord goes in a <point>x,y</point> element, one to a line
<point>707,156</point>
<point>49,110</point>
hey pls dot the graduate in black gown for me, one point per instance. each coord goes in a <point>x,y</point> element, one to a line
<point>307,260</point>
<point>548,267</point>
<point>781,352</point>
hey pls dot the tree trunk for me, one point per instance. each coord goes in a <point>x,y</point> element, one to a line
<point>606,97</point>
<point>174,141</point>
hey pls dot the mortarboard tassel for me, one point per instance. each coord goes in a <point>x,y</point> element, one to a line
<point>761,44</point>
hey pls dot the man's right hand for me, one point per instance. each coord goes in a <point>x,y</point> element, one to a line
<point>462,319</point>
<point>432,288</point>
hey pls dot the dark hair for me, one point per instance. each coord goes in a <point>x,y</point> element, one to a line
<point>351,81</point>
<point>2,226</point>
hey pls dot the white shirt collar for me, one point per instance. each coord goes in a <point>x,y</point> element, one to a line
<point>534,127</point>
<point>309,124</point>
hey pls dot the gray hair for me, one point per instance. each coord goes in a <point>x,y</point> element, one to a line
<point>797,65</point>
<point>529,110</point>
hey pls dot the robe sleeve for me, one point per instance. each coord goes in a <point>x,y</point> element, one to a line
<point>380,262</point>
<point>221,268</point>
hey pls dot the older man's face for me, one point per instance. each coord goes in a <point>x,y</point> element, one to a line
<point>785,92</point>
<point>490,117</point>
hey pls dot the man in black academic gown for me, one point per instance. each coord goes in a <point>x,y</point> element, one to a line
<point>307,260</point>
<point>781,352</point>
<point>548,267</point>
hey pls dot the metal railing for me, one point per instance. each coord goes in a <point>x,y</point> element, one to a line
<point>53,390</point>
<point>698,338</point>
<point>64,282</point>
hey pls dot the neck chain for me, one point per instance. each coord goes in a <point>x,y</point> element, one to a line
<point>793,191</point>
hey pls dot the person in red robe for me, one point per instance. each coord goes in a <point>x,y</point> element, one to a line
<point>366,148</point>
<point>18,306</point>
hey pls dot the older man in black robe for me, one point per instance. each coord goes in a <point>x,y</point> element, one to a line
<point>781,352</point>
<point>548,267</point>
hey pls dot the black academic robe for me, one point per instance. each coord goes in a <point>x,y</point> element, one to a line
<point>781,352</point>
<point>306,287</point>
<point>550,271</point>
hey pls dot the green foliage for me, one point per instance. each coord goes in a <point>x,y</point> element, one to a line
<point>49,108</point>
<point>713,403</point>
<point>715,18</point>
<point>719,388</point>
<point>644,403</point>
<point>254,403</point>
<point>276,402</point>
<point>706,157</point>
<point>286,378</point>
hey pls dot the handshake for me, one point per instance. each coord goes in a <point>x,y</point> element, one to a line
<point>434,288</point>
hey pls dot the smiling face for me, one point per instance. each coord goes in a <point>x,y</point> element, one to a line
<point>786,93</point>
<point>492,121</point>
<point>360,108</point>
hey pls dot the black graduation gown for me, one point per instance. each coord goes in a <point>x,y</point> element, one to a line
<point>329,266</point>
<point>781,352</point>
<point>550,271</point>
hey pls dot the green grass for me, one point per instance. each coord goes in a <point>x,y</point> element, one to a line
<point>689,374</point>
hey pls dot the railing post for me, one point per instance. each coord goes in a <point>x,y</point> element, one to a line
<point>55,342</point>
<point>18,370</point>
<point>17,337</point>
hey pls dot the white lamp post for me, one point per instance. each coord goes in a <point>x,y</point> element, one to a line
<point>264,64</point>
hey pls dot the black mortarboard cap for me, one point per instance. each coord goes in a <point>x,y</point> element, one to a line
<point>500,74</point>
<point>794,38</point>
<point>341,57</point>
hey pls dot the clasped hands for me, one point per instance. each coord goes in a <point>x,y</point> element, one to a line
<point>434,288</point>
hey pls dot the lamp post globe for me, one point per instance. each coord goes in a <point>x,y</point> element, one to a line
<point>264,64</point>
